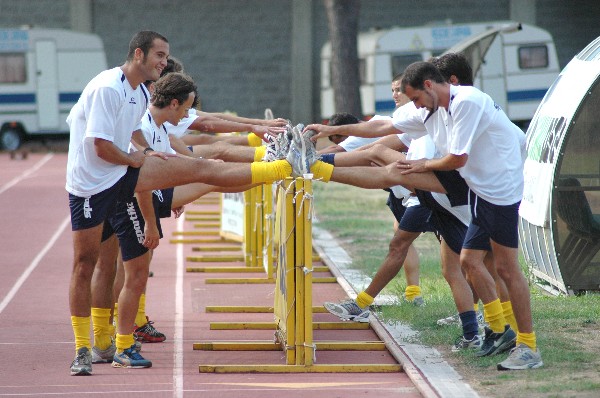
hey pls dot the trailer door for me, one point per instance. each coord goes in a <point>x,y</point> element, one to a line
<point>47,85</point>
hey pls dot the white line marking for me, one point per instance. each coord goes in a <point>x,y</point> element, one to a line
<point>11,294</point>
<point>26,174</point>
<point>178,338</point>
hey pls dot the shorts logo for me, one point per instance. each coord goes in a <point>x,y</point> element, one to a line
<point>132,101</point>
<point>159,195</point>
<point>87,209</point>
<point>135,222</point>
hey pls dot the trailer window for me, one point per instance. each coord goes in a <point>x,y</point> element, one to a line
<point>12,68</point>
<point>531,57</point>
<point>400,62</point>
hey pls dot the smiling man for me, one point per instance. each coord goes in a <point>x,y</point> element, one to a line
<point>101,126</point>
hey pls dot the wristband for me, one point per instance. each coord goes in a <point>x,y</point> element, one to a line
<point>147,149</point>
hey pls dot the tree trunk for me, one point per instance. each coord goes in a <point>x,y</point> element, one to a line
<point>342,17</point>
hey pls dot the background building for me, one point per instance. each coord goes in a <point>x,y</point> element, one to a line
<point>246,55</point>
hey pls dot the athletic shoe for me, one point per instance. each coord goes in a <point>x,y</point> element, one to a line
<point>148,334</point>
<point>103,356</point>
<point>348,310</point>
<point>82,364</point>
<point>138,346</point>
<point>130,358</point>
<point>302,153</point>
<point>462,344</point>
<point>522,357</point>
<point>278,147</point>
<point>450,320</point>
<point>417,301</point>
<point>496,343</point>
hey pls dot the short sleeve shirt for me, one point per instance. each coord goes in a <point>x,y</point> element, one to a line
<point>110,109</point>
<point>182,127</point>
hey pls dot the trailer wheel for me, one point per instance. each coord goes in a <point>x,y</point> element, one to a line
<point>10,139</point>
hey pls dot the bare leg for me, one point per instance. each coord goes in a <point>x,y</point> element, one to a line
<point>385,177</point>
<point>225,151</point>
<point>104,274</point>
<point>392,263</point>
<point>158,173</point>
<point>411,266</point>
<point>377,154</point>
<point>472,262</point>
<point>509,270</point>
<point>86,246</point>
<point>452,271</point>
<point>136,276</point>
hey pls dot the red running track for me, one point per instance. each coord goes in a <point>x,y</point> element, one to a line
<point>36,340</point>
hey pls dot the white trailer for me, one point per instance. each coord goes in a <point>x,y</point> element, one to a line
<point>42,75</point>
<point>517,70</point>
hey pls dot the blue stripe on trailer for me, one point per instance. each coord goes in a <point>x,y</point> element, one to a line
<point>525,95</point>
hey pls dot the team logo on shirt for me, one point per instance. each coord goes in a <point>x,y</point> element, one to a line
<point>132,101</point>
<point>87,209</point>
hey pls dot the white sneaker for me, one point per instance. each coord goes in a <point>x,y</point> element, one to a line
<point>348,310</point>
<point>278,147</point>
<point>522,357</point>
<point>302,153</point>
<point>103,356</point>
<point>463,344</point>
<point>450,320</point>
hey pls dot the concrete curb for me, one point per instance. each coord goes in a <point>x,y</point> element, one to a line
<point>425,366</point>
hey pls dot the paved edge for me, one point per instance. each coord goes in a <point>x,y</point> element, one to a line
<point>425,366</point>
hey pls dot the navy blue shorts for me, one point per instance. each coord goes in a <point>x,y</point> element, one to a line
<point>456,187</point>
<point>500,223</point>
<point>128,223</point>
<point>395,206</point>
<point>449,227</point>
<point>94,210</point>
<point>417,219</point>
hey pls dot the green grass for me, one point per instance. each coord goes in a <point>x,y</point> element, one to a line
<point>567,328</point>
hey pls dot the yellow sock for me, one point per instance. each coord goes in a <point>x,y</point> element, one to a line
<point>364,300</point>
<point>495,318</point>
<point>270,172</point>
<point>527,339</point>
<point>102,327</point>
<point>254,140</point>
<point>124,341</point>
<point>411,292</point>
<point>260,153</point>
<point>140,317</point>
<point>507,311</point>
<point>81,330</point>
<point>322,170</point>
<point>476,307</point>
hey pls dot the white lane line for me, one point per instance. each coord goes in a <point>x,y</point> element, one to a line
<point>11,294</point>
<point>27,173</point>
<point>178,338</point>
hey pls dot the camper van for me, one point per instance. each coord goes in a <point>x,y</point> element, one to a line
<point>42,75</point>
<point>517,70</point>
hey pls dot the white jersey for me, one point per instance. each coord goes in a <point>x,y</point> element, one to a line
<point>110,109</point>
<point>182,127</point>
<point>496,147</point>
<point>420,148</point>
<point>156,136</point>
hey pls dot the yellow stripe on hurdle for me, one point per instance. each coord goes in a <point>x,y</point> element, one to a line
<point>271,346</point>
<point>273,325</point>
<point>251,309</point>
<point>226,269</point>
<point>350,368</point>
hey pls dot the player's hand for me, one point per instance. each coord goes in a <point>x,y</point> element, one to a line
<point>177,212</point>
<point>136,159</point>
<point>412,166</point>
<point>151,237</point>
<point>162,155</point>
<point>321,129</point>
